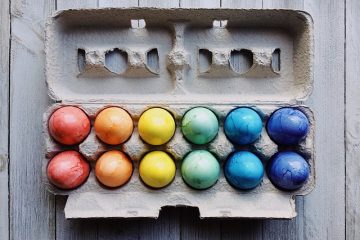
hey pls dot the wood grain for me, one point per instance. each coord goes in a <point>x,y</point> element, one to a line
<point>284,4</point>
<point>66,4</point>
<point>199,3</point>
<point>241,3</point>
<point>4,116</point>
<point>118,3</point>
<point>352,120</point>
<point>31,206</point>
<point>324,208</point>
<point>159,3</point>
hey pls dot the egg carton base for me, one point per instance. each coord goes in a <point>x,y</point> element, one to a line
<point>218,205</point>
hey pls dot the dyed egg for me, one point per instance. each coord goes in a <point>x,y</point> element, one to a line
<point>287,126</point>
<point>200,125</point>
<point>113,169</point>
<point>157,169</point>
<point>288,170</point>
<point>200,169</point>
<point>244,170</point>
<point>243,126</point>
<point>69,125</point>
<point>68,170</point>
<point>156,126</point>
<point>113,125</point>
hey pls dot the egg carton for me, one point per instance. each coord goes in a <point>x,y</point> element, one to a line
<point>177,59</point>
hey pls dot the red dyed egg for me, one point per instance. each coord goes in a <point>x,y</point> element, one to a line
<point>69,125</point>
<point>68,170</point>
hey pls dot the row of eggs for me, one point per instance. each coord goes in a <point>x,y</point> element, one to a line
<point>70,125</point>
<point>200,169</point>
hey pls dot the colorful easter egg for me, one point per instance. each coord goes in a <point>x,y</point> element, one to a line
<point>113,168</point>
<point>113,125</point>
<point>200,169</point>
<point>244,170</point>
<point>243,126</point>
<point>288,170</point>
<point>288,126</point>
<point>200,125</point>
<point>69,125</point>
<point>156,126</point>
<point>68,170</point>
<point>157,169</point>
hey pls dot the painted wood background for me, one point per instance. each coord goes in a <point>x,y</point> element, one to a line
<point>331,211</point>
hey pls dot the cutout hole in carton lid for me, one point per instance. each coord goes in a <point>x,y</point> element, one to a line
<point>241,60</point>
<point>116,61</point>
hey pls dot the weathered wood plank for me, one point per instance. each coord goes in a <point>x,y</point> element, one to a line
<point>241,3</point>
<point>74,228</point>
<point>191,226</point>
<point>31,206</point>
<point>352,120</point>
<point>4,116</point>
<point>159,3</point>
<point>235,228</point>
<point>199,3</point>
<point>66,4</point>
<point>284,4</point>
<point>118,3</point>
<point>324,208</point>
<point>280,229</point>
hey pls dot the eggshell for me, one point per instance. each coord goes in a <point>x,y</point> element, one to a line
<point>69,125</point>
<point>288,170</point>
<point>288,126</point>
<point>68,170</point>
<point>200,169</point>
<point>156,126</point>
<point>244,170</point>
<point>113,168</point>
<point>243,126</point>
<point>200,125</point>
<point>113,125</point>
<point>157,169</point>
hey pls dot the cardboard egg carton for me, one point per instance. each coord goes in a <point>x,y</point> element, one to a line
<point>178,59</point>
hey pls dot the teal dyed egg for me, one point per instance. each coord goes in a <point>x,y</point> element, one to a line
<point>244,170</point>
<point>200,125</point>
<point>200,169</point>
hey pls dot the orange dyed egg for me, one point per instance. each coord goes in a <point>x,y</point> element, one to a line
<point>113,169</point>
<point>113,125</point>
<point>69,125</point>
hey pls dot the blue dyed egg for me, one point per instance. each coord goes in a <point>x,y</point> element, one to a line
<point>288,170</point>
<point>243,126</point>
<point>288,126</point>
<point>244,170</point>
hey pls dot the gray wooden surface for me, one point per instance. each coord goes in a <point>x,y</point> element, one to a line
<point>331,211</point>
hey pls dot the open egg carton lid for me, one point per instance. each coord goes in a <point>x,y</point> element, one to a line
<point>148,55</point>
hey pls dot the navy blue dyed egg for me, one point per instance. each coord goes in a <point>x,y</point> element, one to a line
<point>288,126</point>
<point>288,170</point>
<point>244,170</point>
<point>243,126</point>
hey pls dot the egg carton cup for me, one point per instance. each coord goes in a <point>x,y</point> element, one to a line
<point>177,59</point>
<point>219,200</point>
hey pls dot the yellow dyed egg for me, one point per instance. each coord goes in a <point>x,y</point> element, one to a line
<point>156,126</point>
<point>157,169</point>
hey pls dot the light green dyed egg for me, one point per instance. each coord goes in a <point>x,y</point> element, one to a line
<point>200,169</point>
<point>200,125</point>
